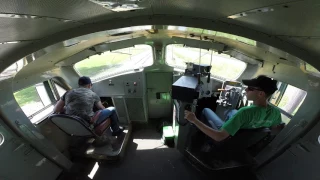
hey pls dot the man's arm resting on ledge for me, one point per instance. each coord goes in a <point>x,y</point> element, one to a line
<point>217,135</point>
<point>58,108</point>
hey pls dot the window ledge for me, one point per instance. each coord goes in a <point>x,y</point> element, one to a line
<point>36,119</point>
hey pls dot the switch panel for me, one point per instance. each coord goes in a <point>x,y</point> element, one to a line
<point>132,88</point>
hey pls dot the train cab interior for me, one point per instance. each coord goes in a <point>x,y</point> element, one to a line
<point>151,61</point>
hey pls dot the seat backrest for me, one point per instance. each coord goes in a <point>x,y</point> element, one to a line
<point>245,138</point>
<point>71,125</point>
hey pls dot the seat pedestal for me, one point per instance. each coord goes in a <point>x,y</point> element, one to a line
<point>112,149</point>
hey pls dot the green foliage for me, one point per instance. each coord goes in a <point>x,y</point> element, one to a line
<point>26,96</point>
<point>311,68</point>
<point>222,65</point>
<point>98,64</point>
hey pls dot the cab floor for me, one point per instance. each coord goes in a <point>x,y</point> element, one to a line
<point>145,158</point>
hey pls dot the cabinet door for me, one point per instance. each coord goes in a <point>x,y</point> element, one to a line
<point>159,107</point>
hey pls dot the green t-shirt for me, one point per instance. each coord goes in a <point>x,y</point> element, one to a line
<point>252,117</point>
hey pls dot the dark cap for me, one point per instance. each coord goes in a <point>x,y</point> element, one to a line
<point>266,84</point>
<point>84,80</point>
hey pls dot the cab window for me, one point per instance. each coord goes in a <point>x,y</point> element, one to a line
<point>35,102</point>
<point>223,66</point>
<point>115,62</point>
<point>60,90</point>
<point>289,99</point>
<point>311,69</point>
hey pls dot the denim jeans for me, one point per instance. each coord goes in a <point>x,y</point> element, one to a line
<point>213,120</point>
<point>109,112</point>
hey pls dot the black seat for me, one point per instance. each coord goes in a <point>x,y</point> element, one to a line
<point>76,126</point>
<point>244,139</point>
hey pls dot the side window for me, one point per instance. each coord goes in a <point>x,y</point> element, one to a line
<point>288,98</point>
<point>35,102</point>
<point>311,69</point>
<point>60,90</point>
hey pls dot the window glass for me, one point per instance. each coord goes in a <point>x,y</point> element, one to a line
<point>223,66</point>
<point>288,98</point>
<point>43,94</point>
<point>34,102</point>
<point>60,90</point>
<point>29,100</point>
<point>115,62</point>
<point>311,68</point>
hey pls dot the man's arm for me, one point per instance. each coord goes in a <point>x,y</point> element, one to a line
<point>58,107</point>
<point>99,105</point>
<point>217,135</point>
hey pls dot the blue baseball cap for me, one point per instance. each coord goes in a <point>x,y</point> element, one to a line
<point>84,80</point>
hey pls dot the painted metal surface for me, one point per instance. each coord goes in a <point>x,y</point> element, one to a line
<point>20,160</point>
<point>14,117</point>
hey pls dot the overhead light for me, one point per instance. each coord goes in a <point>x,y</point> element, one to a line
<point>10,42</point>
<point>251,12</point>
<point>119,5</point>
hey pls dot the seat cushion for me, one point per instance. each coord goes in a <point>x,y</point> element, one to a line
<point>95,117</point>
<point>100,128</point>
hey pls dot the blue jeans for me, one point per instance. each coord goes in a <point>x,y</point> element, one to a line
<point>213,120</point>
<point>109,112</point>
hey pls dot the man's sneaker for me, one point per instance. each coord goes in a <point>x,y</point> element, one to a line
<point>119,132</point>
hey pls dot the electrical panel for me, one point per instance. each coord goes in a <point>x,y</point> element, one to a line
<point>132,88</point>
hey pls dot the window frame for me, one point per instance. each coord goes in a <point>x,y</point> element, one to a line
<point>51,92</point>
<point>283,112</point>
<point>283,87</point>
<point>317,74</point>
<point>212,75</point>
<point>55,90</point>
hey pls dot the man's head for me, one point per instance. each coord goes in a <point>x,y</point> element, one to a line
<point>260,88</point>
<point>85,82</point>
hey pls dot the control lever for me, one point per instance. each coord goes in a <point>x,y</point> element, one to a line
<point>191,108</point>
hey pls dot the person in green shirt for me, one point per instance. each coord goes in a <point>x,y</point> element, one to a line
<point>258,115</point>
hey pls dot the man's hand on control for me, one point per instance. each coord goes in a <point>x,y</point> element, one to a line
<point>190,116</point>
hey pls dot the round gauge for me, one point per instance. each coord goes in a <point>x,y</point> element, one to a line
<point>1,139</point>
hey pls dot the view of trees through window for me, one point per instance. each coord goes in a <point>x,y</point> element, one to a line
<point>288,98</point>
<point>292,99</point>
<point>223,66</point>
<point>311,68</point>
<point>29,100</point>
<point>115,62</point>
<point>34,102</point>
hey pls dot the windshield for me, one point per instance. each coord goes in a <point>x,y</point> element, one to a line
<point>223,66</point>
<point>115,62</point>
